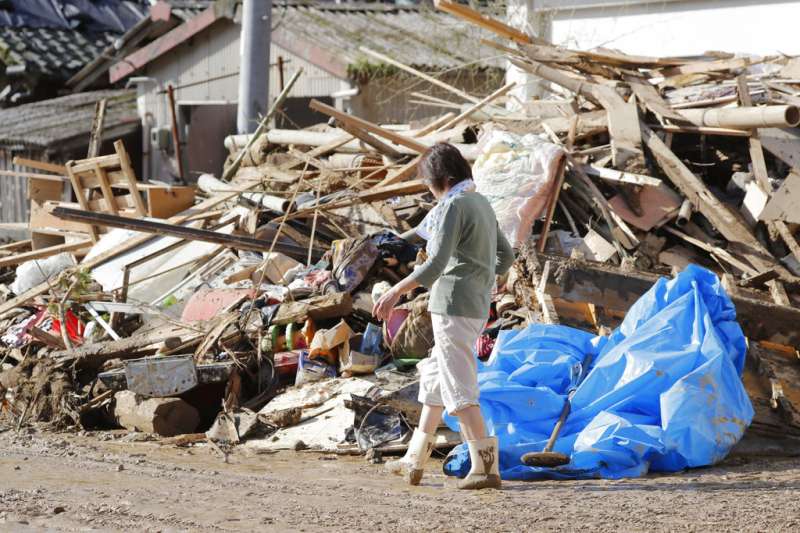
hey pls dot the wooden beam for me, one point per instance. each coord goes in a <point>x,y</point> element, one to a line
<point>44,252</point>
<point>495,26</point>
<point>173,230</point>
<point>40,165</point>
<point>615,289</point>
<point>344,118</point>
<point>729,224</point>
<point>109,255</point>
<point>96,136</point>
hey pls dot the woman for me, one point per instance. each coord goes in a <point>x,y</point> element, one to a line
<point>466,250</point>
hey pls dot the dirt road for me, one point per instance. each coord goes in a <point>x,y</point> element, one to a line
<point>72,482</point>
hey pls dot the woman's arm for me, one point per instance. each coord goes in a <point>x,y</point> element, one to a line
<point>441,249</point>
<point>383,307</point>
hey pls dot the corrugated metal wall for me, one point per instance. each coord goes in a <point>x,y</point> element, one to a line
<point>14,203</point>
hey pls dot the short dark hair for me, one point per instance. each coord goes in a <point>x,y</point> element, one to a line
<point>443,166</point>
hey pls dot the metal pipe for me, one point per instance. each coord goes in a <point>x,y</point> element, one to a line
<point>320,138</point>
<point>771,116</point>
<point>254,60</point>
<point>211,185</point>
<point>684,214</point>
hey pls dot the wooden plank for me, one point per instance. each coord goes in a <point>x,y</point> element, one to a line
<point>96,136</point>
<point>40,165</point>
<point>164,202</point>
<point>612,288</point>
<point>374,194</point>
<point>617,176</point>
<point>344,118</point>
<point>108,195</point>
<point>783,143</point>
<point>552,202</point>
<point>88,165</point>
<point>776,289</point>
<point>495,26</point>
<point>80,194</point>
<point>127,169</point>
<point>704,67</point>
<point>476,107</point>
<point>756,152</point>
<point>370,140</point>
<point>402,174</point>
<point>40,289</point>
<point>44,252</point>
<point>727,223</point>
<point>173,230</point>
<point>701,130</point>
<point>32,175</point>
<point>648,94</point>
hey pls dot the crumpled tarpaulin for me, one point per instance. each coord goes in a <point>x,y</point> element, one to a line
<point>663,392</point>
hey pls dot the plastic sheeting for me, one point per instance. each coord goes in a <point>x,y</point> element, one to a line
<point>516,174</point>
<point>663,392</point>
<point>92,15</point>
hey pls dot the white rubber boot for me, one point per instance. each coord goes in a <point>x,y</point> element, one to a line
<point>485,458</point>
<point>412,464</point>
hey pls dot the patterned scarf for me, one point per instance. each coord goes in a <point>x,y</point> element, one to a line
<point>433,220</point>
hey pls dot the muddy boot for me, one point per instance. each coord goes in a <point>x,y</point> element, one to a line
<point>485,471</point>
<point>412,464</point>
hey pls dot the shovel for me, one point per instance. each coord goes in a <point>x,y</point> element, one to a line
<point>547,457</point>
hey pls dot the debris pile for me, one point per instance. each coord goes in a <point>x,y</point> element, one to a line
<point>243,306</point>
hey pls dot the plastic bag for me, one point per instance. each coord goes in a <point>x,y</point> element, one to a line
<point>664,392</point>
<point>309,370</point>
<point>516,175</point>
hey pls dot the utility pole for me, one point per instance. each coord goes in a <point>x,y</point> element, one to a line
<point>254,64</point>
<point>523,15</point>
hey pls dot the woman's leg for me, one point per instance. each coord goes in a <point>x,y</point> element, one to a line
<point>470,420</point>
<point>430,418</point>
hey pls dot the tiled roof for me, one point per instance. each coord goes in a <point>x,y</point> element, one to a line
<point>46,123</point>
<point>417,36</point>
<point>53,53</point>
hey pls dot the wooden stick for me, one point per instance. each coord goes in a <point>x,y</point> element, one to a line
<point>551,204</point>
<point>719,252</point>
<point>44,253</point>
<point>477,106</point>
<point>96,135</point>
<point>433,126</point>
<point>344,118</point>
<point>430,79</point>
<point>32,175</point>
<point>262,126</point>
<point>504,30</point>
<point>40,165</point>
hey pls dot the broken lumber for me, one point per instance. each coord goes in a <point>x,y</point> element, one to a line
<point>616,289</point>
<point>173,230</point>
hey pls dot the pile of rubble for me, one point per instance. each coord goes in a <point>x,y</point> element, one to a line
<point>244,305</point>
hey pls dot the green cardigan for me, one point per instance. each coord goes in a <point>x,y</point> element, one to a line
<point>464,257</point>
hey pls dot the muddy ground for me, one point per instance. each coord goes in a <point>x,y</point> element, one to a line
<point>80,482</point>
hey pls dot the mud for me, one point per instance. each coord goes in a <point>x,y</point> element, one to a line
<point>109,481</point>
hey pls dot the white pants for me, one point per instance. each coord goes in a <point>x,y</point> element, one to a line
<point>449,377</point>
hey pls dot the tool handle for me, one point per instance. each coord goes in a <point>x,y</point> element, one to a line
<point>557,429</point>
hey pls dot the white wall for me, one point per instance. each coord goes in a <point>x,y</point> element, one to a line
<point>681,28</point>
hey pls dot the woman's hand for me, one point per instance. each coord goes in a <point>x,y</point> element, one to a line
<point>383,307</point>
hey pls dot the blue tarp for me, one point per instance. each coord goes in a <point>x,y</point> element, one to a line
<point>663,392</point>
<point>116,16</point>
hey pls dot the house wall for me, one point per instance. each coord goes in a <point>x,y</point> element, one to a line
<point>14,204</point>
<point>205,70</point>
<point>667,27</point>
